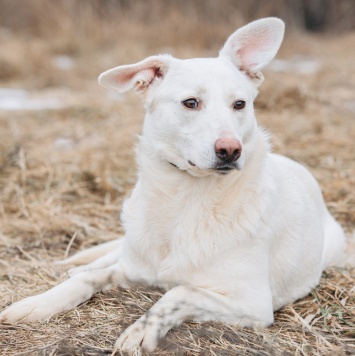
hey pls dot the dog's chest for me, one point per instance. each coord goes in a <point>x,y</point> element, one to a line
<point>174,236</point>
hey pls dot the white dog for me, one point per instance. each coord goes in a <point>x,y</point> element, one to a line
<point>232,231</point>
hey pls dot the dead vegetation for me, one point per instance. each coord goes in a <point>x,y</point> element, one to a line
<point>65,172</point>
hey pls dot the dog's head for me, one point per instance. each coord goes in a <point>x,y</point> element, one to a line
<point>200,115</point>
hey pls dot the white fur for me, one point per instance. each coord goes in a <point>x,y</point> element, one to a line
<point>229,247</point>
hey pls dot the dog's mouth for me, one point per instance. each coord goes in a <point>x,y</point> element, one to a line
<point>223,170</point>
<point>219,169</point>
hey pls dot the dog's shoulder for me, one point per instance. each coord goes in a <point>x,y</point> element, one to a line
<point>287,168</point>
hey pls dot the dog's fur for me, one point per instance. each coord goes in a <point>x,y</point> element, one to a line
<point>231,239</point>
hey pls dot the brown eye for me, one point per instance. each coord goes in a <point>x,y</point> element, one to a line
<point>239,105</point>
<point>190,103</point>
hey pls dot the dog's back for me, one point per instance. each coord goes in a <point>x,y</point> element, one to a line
<point>306,239</point>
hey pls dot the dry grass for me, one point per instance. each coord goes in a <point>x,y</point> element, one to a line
<point>64,174</point>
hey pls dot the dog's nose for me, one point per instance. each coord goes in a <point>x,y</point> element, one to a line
<point>228,149</point>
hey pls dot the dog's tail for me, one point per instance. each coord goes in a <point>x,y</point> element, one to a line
<point>91,254</point>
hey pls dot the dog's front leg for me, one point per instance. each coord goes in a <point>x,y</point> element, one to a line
<point>105,261</point>
<point>188,302</point>
<point>65,296</point>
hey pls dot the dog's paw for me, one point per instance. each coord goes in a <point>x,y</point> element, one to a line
<point>27,310</point>
<point>138,337</point>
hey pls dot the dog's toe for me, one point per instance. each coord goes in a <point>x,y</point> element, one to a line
<point>27,310</point>
<point>137,337</point>
<point>15,314</point>
<point>130,341</point>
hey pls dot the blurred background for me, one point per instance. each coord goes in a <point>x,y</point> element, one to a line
<point>56,35</point>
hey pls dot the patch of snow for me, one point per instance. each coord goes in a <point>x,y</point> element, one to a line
<point>17,99</point>
<point>64,62</point>
<point>298,64</point>
<point>115,96</point>
<point>64,143</point>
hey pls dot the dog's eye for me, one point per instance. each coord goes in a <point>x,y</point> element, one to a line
<point>239,105</point>
<point>190,103</point>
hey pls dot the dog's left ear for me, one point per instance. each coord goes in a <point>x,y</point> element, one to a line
<point>139,76</point>
<point>253,46</point>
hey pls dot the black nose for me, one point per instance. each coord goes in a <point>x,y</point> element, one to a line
<point>228,149</point>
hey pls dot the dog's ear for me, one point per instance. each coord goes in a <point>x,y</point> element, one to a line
<point>253,46</point>
<point>139,76</point>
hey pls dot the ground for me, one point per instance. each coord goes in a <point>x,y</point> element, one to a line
<point>65,170</point>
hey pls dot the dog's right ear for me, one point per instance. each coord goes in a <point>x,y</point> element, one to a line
<point>139,76</point>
